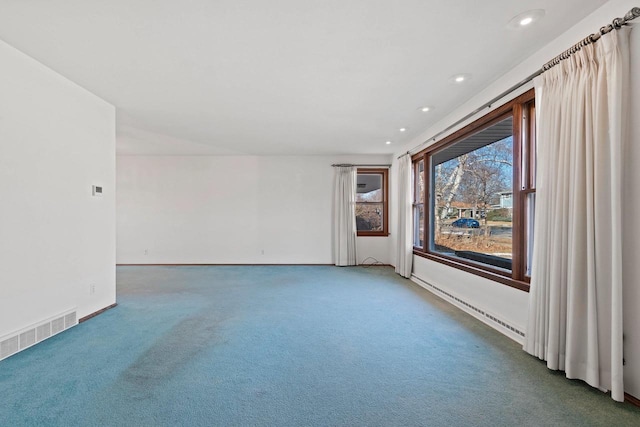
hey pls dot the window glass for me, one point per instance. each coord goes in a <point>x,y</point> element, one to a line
<point>418,204</point>
<point>472,200</point>
<point>370,188</point>
<point>369,217</point>
<point>420,182</point>
<point>371,202</point>
<point>531,207</point>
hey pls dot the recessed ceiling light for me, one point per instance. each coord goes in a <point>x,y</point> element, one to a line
<point>525,19</point>
<point>388,142</point>
<point>425,109</point>
<point>460,78</point>
<point>403,129</point>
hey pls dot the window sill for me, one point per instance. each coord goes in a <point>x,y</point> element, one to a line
<point>473,269</point>
<point>372,234</point>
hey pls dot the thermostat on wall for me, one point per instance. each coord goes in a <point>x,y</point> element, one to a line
<point>97,190</point>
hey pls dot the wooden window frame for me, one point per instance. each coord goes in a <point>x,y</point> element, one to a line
<point>385,201</point>
<point>528,183</point>
<point>522,109</point>
<point>415,204</point>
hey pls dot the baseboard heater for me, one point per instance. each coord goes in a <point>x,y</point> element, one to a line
<point>509,330</point>
<point>32,335</point>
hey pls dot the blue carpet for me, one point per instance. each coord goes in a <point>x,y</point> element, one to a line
<point>288,346</point>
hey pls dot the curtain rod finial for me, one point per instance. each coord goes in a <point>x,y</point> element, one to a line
<point>632,14</point>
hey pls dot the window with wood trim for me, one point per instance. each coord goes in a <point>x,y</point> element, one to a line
<point>372,212</point>
<point>418,204</point>
<point>475,195</point>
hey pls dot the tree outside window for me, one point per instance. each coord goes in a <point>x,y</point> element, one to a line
<point>475,195</point>
<point>371,202</point>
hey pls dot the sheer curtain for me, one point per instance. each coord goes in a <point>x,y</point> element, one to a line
<point>344,216</point>
<point>404,250</point>
<point>575,308</point>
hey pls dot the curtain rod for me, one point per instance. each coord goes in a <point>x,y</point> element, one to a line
<point>592,38</point>
<point>616,24</point>
<point>477,110</point>
<point>346,165</point>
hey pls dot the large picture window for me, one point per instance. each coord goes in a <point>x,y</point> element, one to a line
<point>475,195</point>
<point>371,202</point>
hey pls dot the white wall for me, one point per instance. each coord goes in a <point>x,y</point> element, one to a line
<point>511,305</point>
<point>56,240</point>
<point>231,210</point>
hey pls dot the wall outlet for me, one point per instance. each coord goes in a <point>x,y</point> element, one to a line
<point>262,252</point>
<point>146,251</point>
<point>92,289</point>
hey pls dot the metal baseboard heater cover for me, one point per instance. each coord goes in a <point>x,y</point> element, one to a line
<point>32,335</point>
<point>480,311</point>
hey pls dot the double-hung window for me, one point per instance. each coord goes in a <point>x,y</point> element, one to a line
<point>418,204</point>
<point>372,217</point>
<point>475,195</point>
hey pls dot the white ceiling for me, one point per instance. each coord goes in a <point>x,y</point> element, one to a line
<point>279,76</point>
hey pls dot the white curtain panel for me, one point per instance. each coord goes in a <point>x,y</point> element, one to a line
<point>404,250</point>
<point>575,308</point>
<point>344,216</point>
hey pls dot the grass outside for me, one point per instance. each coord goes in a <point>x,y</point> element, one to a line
<point>492,238</point>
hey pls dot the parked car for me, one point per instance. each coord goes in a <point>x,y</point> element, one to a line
<point>466,223</point>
